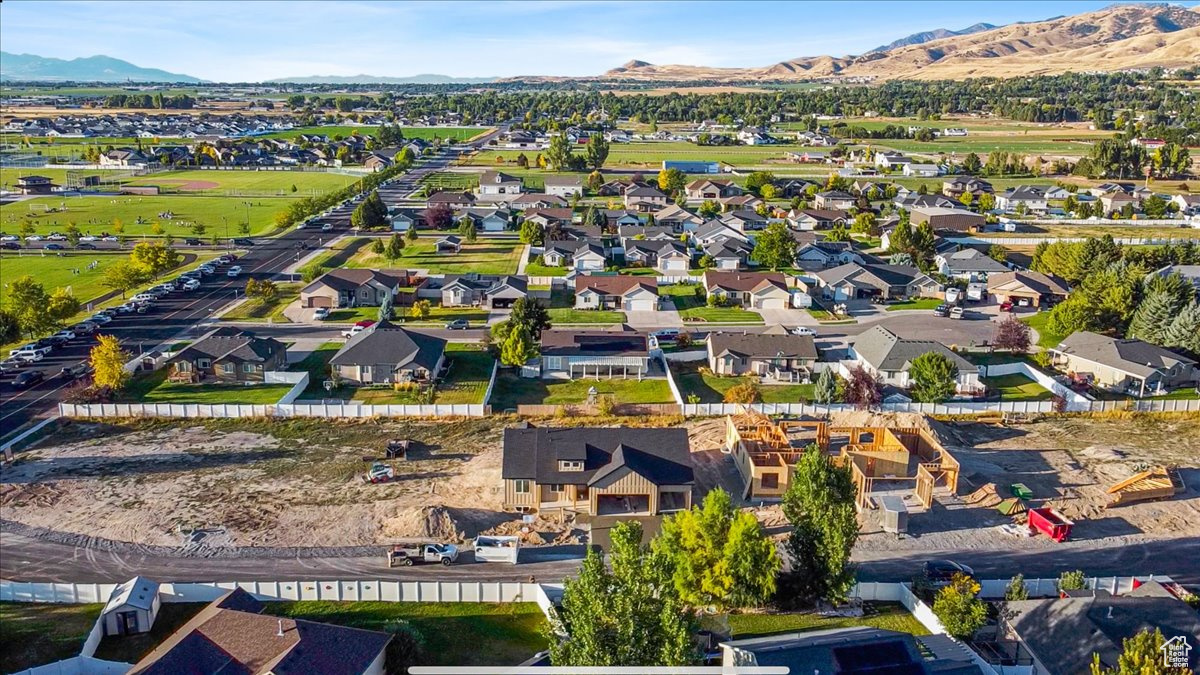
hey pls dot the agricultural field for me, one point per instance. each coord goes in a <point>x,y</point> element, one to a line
<point>94,215</point>
<point>484,257</point>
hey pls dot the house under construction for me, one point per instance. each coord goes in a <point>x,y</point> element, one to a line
<point>881,459</point>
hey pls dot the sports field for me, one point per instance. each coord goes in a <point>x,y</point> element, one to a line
<point>277,183</point>
<point>94,215</point>
<point>54,272</point>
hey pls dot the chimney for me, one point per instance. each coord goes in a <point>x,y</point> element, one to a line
<point>280,633</point>
<point>1110,613</point>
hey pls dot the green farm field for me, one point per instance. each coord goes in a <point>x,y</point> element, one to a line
<point>96,214</point>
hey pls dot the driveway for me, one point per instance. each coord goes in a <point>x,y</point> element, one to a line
<point>663,318</point>
<point>787,317</point>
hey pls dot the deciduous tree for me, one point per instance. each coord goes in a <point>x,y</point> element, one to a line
<point>863,389</point>
<point>531,316</point>
<point>597,150</point>
<point>958,608</point>
<point>123,276</point>
<point>108,364</point>
<point>775,247</point>
<point>819,503</point>
<point>934,377</point>
<point>1012,334</point>
<point>518,347</point>
<point>420,310</point>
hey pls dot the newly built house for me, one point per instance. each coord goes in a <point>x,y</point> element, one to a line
<point>386,353</point>
<point>597,470</point>
<point>772,357</point>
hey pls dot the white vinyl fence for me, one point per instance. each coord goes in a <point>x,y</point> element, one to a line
<point>950,408</point>
<point>1034,240</point>
<point>1076,402</point>
<point>314,409</point>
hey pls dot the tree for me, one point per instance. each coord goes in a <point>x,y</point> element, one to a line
<point>410,235</point>
<point>775,247</point>
<point>826,390</point>
<point>530,315</point>
<point>900,240</point>
<point>518,347</point>
<point>865,223</point>
<point>377,246</point>
<point>122,276</point>
<point>1184,331</point>
<point>629,616</point>
<point>420,310</point>
<point>597,151</point>
<point>1072,580</point>
<point>768,191</point>
<point>709,209</point>
<point>154,259</point>
<point>863,389</point>
<point>244,228</point>
<point>30,306</point>
<point>466,229</point>
<point>558,155</point>
<point>595,181</point>
<point>10,329</point>
<point>1154,206</point>
<point>756,180</point>
<point>971,163</point>
<point>198,229</point>
<point>746,392</point>
<point>395,247</point>
<point>719,555</point>
<point>958,608</point>
<point>531,233</point>
<point>1142,654</point>
<point>837,233</point>
<point>1154,317</point>
<point>671,181</point>
<point>820,505</point>
<point>1012,334</point>
<point>108,364</point>
<point>1016,590</point>
<point>934,377</point>
<point>385,309</point>
<point>439,216</point>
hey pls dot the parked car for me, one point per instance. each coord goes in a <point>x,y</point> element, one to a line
<point>321,313</point>
<point>11,245</point>
<point>28,378</point>
<point>55,247</point>
<point>54,236</point>
<point>1006,306</point>
<point>142,297</point>
<point>326,227</point>
<point>939,572</point>
<point>242,241</point>
<point>956,313</point>
<point>75,371</point>
<point>941,310</point>
<point>86,246</point>
<point>193,242</point>
<point>100,318</point>
<point>357,328</point>
<point>55,340</point>
<point>110,237</point>
<point>803,330</point>
<point>10,237</point>
<point>458,324</point>
<point>126,308</point>
<point>953,295</point>
<point>67,334</point>
<point>191,284</point>
<point>89,237</point>
<point>85,328</point>
<point>666,334</point>
<point>233,271</point>
<point>206,269</point>
<point>34,237</point>
<point>29,352</point>
<point>407,554</point>
<point>11,364</point>
<point>143,307</point>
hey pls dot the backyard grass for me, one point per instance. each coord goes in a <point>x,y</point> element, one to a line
<point>562,311</point>
<point>317,365</point>
<point>711,388</point>
<point>889,616</point>
<point>220,216</point>
<point>693,309</point>
<point>458,634</point>
<point>1017,387</point>
<point>154,388</point>
<point>484,257</point>
<point>257,309</point>
<point>512,390</point>
<point>386,395</point>
<point>35,634</point>
<point>469,374</point>
<point>535,270</point>
<point>1045,338</point>
<point>131,648</point>
<point>918,303</point>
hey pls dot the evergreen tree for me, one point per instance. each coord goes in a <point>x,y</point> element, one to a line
<point>826,389</point>
<point>1184,331</point>
<point>1153,317</point>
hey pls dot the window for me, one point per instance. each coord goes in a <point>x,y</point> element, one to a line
<point>247,367</point>
<point>569,465</point>
<point>770,481</point>
<point>557,487</point>
<point>203,363</point>
<point>183,366</point>
<point>227,368</point>
<point>521,486</point>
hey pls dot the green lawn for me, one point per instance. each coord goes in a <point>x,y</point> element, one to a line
<point>1045,338</point>
<point>386,395</point>
<point>54,272</point>
<point>131,648</point>
<point>453,133</point>
<point>512,390</point>
<point>276,183</point>
<point>317,365</point>
<point>1017,387</point>
<point>154,388</point>
<point>264,310</point>
<point>455,634</point>
<point>562,311</point>
<point>693,309</point>
<point>484,257</point>
<point>94,215</point>
<point>535,270</point>
<point>711,388</point>
<point>886,615</point>
<point>442,315</point>
<point>919,303</point>
<point>36,634</point>
<point>469,374</point>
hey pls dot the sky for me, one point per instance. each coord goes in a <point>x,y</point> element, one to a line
<point>253,41</point>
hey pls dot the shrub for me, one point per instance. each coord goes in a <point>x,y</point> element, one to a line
<point>606,405</point>
<point>1016,589</point>
<point>747,392</point>
<point>1072,581</point>
<point>958,608</point>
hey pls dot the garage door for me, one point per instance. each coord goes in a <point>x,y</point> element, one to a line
<point>771,303</point>
<point>320,301</point>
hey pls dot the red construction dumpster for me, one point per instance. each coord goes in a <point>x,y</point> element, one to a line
<point>1050,523</point>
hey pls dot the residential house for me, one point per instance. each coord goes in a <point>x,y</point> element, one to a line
<point>233,635</point>
<point>617,292</point>
<point>228,355</point>
<point>816,139</point>
<point>595,354</point>
<point>968,264</point>
<point>678,219</point>
<point>1111,188</point>
<point>602,471</point>
<point>579,255</point>
<point>487,220</point>
<point>1188,204</point>
<point>1064,634</point>
<point>834,199</point>
<point>667,256</point>
<point>922,170</point>
<point>871,280</point>
<point>649,232</point>
<point>747,202</point>
<point>645,199</point>
<point>386,353</point>
<point>124,157</point>
<point>35,185</point>
<point>918,201</point>
<point>729,254</point>
<point>715,231</point>
<point>451,199</point>
<point>536,200</point>
<point>132,607</point>
<point>405,218</point>
<point>448,244</point>
<point>773,357</point>
<point>615,219</point>
<point>1057,193</point>
<point>549,217</point>
<point>1114,202</point>
<point>753,290</point>
<point>1124,366</point>
<point>744,220</point>
<point>817,219</point>
<point>823,254</point>
<point>808,156</point>
<point>889,161</point>
<point>957,186</point>
<point>709,189</point>
<point>1026,287</point>
<point>955,219</point>
<point>859,650</point>
<point>491,291</point>
<point>345,287</point>
<point>889,357</point>
<point>1032,197</point>
<point>498,183</point>
<point>564,186</point>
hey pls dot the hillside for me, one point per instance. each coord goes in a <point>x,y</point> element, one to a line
<point>15,67</point>
<point>1114,38</point>
<point>931,35</point>
<point>429,78</point>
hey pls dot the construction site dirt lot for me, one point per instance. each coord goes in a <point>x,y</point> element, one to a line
<point>298,483</point>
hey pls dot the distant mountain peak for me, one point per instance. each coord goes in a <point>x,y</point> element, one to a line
<point>931,35</point>
<point>99,68</point>
<point>634,63</point>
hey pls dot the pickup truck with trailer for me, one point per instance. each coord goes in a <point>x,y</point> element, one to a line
<point>408,554</point>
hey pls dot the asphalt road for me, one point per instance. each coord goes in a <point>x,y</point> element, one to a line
<point>182,313</point>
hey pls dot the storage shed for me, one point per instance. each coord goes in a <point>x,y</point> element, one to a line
<point>132,607</point>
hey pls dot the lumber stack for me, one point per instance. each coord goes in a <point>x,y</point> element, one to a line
<point>1154,483</point>
<point>985,497</point>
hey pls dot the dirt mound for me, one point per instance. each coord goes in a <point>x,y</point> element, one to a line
<point>426,522</point>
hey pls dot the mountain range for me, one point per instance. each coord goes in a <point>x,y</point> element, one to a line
<point>428,78</point>
<point>931,35</point>
<point>15,67</point>
<point>1119,37</point>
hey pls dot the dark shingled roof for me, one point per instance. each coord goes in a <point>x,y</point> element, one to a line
<point>660,455</point>
<point>387,343</point>
<point>885,350</point>
<point>556,342</point>
<point>230,342</point>
<point>763,345</point>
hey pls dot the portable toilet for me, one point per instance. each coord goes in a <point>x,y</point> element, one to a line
<point>895,515</point>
